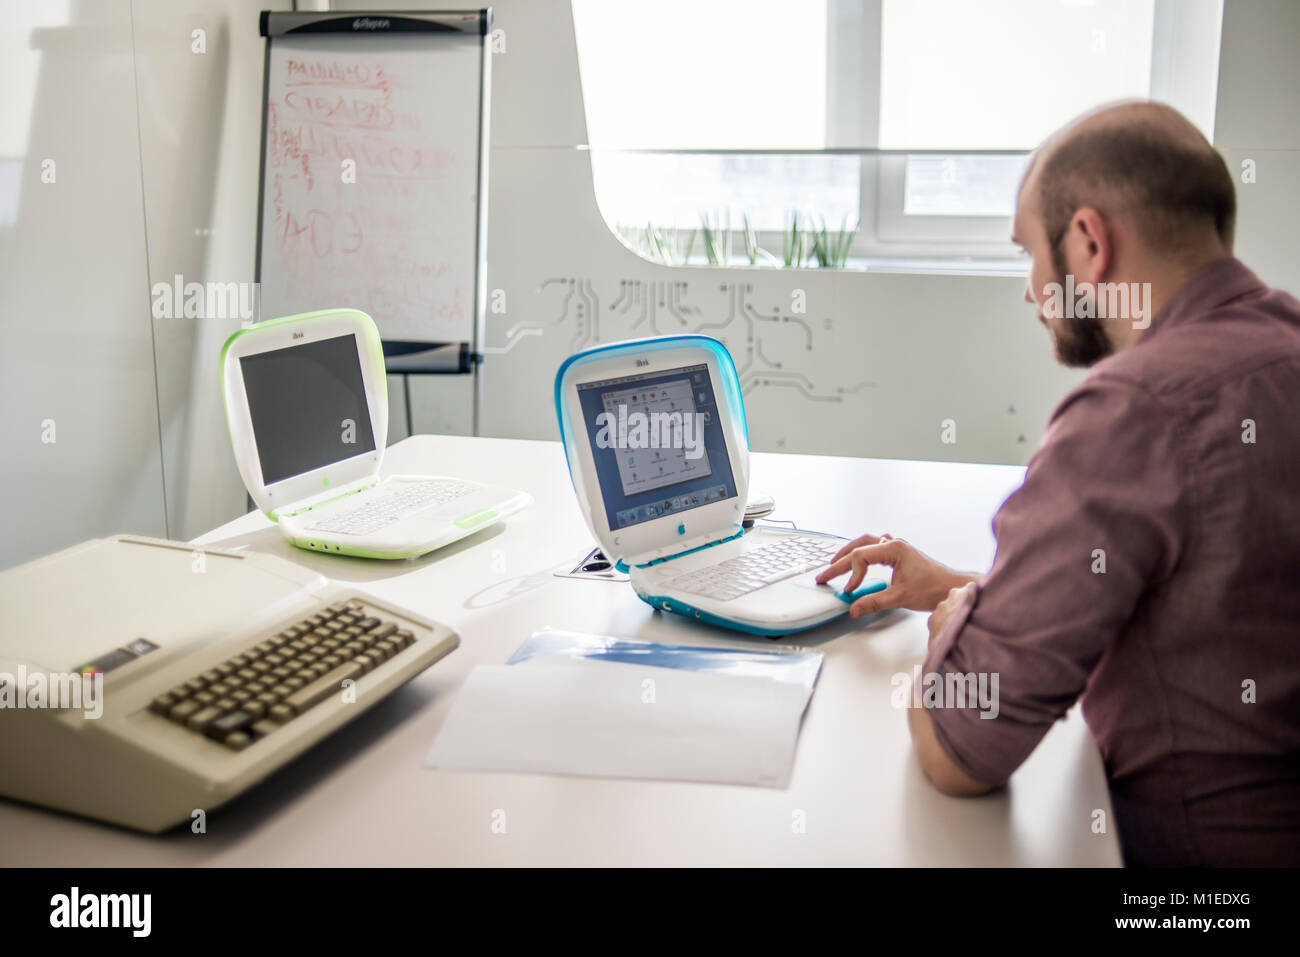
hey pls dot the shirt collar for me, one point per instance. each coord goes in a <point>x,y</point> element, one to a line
<point>1209,288</point>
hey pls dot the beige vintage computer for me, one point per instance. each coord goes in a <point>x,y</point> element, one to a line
<point>216,667</point>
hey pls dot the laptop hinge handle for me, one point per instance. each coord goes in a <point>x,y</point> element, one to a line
<point>690,546</point>
<point>324,498</point>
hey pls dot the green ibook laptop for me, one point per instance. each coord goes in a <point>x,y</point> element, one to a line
<point>307,405</point>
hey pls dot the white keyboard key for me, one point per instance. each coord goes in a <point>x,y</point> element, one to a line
<point>751,571</point>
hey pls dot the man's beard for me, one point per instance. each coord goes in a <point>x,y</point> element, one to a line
<point>1079,341</point>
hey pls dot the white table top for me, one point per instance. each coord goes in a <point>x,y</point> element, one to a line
<point>362,797</point>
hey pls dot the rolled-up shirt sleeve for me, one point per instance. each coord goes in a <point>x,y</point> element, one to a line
<point>1098,521</point>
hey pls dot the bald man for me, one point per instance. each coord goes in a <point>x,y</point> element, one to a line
<point>1150,564</point>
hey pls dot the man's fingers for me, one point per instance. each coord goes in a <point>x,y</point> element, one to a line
<point>882,553</point>
<point>891,597</point>
<point>856,543</point>
<point>860,566</point>
<point>836,568</point>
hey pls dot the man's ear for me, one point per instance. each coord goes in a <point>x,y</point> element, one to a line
<point>1088,245</point>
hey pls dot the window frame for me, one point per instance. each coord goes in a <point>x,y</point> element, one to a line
<point>887,236</point>
<point>854,37</point>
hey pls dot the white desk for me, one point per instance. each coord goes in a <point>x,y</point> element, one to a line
<point>362,797</point>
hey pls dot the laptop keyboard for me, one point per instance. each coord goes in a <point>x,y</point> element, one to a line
<point>395,501</point>
<point>753,570</point>
<point>259,691</point>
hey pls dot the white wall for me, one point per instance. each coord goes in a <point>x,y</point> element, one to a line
<point>200,139</point>
<point>892,355</point>
<point>1257,124</point>
<point>78,352</point>
<point>156,151</point>
<point>874,368</point>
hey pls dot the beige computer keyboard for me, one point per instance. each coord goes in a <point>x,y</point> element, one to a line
<point>255,693</point>
<point>218,668</point>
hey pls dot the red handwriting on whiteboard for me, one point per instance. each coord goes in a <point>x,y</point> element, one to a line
<point>359,191</point>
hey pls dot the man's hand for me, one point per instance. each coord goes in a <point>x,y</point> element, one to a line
<point>919,582</point>
<point>957,597</point>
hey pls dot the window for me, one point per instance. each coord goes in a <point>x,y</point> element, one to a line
<point>703,74</point>
<point>720,129</point>
<point>1002,74</point>
<point>682,99</point>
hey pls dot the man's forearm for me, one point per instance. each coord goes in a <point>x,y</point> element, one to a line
<point>934,761</point>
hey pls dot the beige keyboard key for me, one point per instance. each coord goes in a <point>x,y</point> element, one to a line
<point>200,719</point>
<point>323,687</point>
<point>183,710</point>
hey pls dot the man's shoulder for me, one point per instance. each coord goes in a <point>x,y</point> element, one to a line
<point>1199,355</point>
<point>1110,394</point>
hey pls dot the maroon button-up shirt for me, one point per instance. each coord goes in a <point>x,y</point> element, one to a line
<point>1150,566</point>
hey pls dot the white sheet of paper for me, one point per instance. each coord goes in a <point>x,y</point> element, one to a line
<point>607,719</point>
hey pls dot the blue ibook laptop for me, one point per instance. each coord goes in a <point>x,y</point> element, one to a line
<point>658,450</point>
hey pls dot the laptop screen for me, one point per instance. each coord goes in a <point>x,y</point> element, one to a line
<point>308,406</point>
<point>658,443</point>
